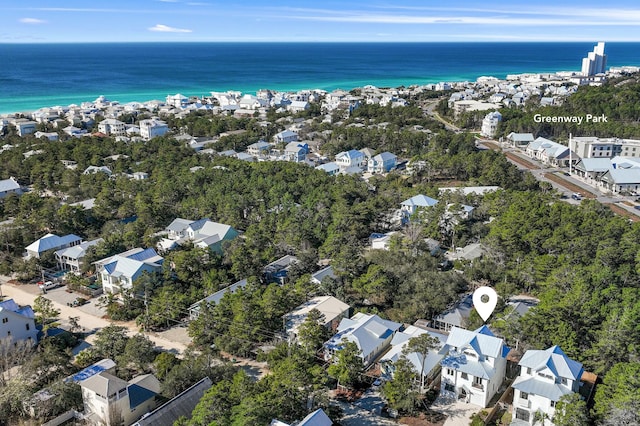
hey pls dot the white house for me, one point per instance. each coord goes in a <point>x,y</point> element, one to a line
<point>490,124</point>
<point>331,308</point>
<point>71,259</point>
<point>352,158</point>
<point>111,400</point>
<point>120,271</point>
<point>17,323</point>
<point>549,152</point>
<point>381,163</point>
<point>111,126</point>
<point>202,233</point>
<point>91,170</point>
<point>409,207</point>
<point>259,148</point>
<point>25,127</point>
<point>286,136</point>
<point>178,100</point>
<point>152,127</point>
<point>9,186</point>
<point>51,242</point>
<point>474,365</point>
<point>398,344</point>
<point>370,333</point>
<point>331,168</point>
<point>520,140</point>
<point>296,152</point>
<point>545,377</point>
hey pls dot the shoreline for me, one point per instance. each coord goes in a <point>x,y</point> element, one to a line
<point>66,101</point>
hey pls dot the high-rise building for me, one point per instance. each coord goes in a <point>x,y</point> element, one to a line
<point>595,62</point>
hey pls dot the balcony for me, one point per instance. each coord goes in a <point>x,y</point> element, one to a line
<point>478,386</point>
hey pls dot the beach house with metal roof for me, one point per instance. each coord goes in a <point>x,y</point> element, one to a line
<point>370,333</point>
<point>17,323</point>
<point>474,365</point>
<point>51,242</point>
<point>120,271</point>
<point>110,400</point>
<point>545,377</point>
<point>71,258</point>
<point>400,341</point>
<point>332,309</point>
<point>9,186</point>
<point>203,233</point>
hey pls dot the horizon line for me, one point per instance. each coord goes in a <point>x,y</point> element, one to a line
<point>314,41</point>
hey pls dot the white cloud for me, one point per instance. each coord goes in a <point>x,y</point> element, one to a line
<point>547,16</point>
<point>166,29</point>
<point>33,21</point>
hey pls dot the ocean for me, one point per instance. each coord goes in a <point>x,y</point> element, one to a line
<point>39,75</point>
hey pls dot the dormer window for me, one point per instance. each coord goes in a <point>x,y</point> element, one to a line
<point>529,370</point>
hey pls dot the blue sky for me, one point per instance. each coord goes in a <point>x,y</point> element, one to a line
<point>290,20</point>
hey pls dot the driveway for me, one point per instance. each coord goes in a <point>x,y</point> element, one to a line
<point>458,412</point>
<point>365,411</point>
<point>90,316</point>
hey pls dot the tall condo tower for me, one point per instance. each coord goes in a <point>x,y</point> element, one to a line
<point>595,62</point>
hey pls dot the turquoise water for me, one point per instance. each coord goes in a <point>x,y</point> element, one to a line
<point>39,75</point>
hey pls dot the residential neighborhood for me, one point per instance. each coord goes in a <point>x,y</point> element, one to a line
<point>190,259</point>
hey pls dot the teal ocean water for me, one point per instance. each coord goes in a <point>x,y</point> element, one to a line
<point>38,75</point>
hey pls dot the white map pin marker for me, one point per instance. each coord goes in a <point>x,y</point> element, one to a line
<point>485,309</point>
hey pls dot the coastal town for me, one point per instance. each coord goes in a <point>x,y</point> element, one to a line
<point>309,257</point>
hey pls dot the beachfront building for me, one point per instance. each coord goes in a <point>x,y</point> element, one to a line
<point>9,186</point>
<point>120,271</point>
<point>545,377</point>
<point>151,128</point>
<point>474,365</point>
<point>595,62</point>
<point>25,127</point>
<point>490,124</point>
<point>17,323</point>
<point>112,127</point>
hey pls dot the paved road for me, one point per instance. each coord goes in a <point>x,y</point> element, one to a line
<point>430,108</point>
<point>26,294</point>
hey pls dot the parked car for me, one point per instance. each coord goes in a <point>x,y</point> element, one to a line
<point>576,196</point>
<point>48,285</point>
